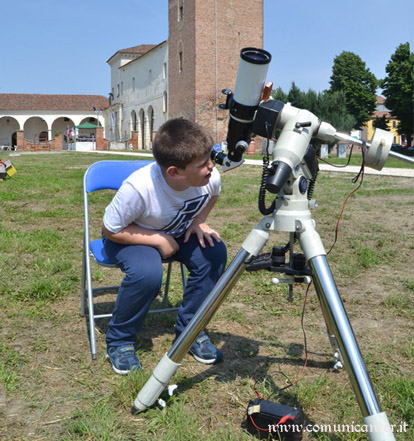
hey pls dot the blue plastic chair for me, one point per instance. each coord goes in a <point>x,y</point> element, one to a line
<point>107,175</point>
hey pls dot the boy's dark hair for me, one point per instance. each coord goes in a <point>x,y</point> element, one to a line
<point>179,141</point>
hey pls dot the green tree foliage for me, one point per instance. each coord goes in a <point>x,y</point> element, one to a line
<point>332,108</point>
<point>329,107</point>
<point>278,94</point>
<point>351,76</point>
<point>398,88</point>
<point>381,123</point>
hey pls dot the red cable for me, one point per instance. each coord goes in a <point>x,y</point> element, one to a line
<point>343,206</point>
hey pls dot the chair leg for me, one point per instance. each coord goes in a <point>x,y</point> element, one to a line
<point>83,286</point>
<point>91,320</point>
<point>183,275</point>
<point>167,285</point>
<point>91,312</point>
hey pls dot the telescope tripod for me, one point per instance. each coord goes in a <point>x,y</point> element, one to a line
<point>291,215</point>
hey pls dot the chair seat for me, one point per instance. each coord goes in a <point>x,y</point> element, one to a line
<point>99,254</point>
<point>101,258</point>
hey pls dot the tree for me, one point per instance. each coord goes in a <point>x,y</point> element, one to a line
<point>329,107</point>
<point>332,109</point>
<point>278,94</point>
<point>350,75</point>
<point>381,123</point>
<point>398,88</point>
<point>295,94</point>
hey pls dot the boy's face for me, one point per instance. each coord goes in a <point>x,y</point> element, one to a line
<point>197,173</point>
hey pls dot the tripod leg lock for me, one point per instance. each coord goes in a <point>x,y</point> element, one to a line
<point>378,427</point>
<point>152,389</point>
<point>310,240</point>
<point>258,237</point>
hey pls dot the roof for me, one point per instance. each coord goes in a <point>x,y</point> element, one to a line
<point>137,58</point>
<point>381,114</point>
<point>27,101</point>
<point>86,125</point>
<point>134,50</point>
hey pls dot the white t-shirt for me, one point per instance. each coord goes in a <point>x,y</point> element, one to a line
<point>146,199</point>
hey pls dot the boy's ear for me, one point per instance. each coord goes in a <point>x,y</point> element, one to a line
<point>173,171</point>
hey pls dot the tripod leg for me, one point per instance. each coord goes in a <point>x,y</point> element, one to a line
<point>338,359</point>
<point>379,428</point>
<point>169,364</point>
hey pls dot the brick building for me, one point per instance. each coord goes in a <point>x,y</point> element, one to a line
<point>183,76</point>
<point>204,43</point>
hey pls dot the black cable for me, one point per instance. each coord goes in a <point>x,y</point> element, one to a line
<point>265,173</point>
<point>311,187</point>
<point>338,165</point>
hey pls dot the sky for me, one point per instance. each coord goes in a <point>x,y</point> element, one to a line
<point>61,47</point>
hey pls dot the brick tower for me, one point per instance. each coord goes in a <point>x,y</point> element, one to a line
<point>204,43</point>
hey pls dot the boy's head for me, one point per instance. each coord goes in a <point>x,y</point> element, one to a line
<point>179,141</point>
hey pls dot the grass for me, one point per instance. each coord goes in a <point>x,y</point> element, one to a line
<point>51,390</point>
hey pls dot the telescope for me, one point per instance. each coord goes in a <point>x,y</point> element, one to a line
<point>289,178</point>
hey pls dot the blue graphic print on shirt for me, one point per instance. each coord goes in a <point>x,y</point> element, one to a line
<point>185,215</point>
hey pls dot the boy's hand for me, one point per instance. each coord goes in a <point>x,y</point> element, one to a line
<point>167,246</point>
<point>202,231</point>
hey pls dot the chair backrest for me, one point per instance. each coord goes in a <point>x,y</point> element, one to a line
<point>109,175</point>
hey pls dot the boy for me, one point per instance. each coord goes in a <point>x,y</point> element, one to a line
<point>160,211</point>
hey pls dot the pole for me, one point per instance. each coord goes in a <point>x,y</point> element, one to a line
<point>169,364</point>
<point>337,321</point>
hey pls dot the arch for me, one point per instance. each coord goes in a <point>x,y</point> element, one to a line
<point>150,118</point>
<point>141,139</point>
<point>14,141</point>
<point>89,119</point>
<point>134,121</point>
<point>33,127</point>
<point>8,126</point>
<point>62,125</point>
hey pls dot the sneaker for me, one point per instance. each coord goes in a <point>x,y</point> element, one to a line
<point>204,351</point>
<point>123,359</point>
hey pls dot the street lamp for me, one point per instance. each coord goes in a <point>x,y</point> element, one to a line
<point>98,111</point>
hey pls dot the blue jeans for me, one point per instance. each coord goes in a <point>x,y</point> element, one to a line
<point>143,270</point>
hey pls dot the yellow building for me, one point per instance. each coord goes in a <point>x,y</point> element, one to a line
<point>379,113</point>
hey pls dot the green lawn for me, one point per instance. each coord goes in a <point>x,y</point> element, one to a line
<point>50,388</point>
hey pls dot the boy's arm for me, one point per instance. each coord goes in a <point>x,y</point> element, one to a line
<point>135,235</point>
<point>201,229</point>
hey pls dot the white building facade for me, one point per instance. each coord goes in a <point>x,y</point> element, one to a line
<point>42,117</point>
<point>139,94</point>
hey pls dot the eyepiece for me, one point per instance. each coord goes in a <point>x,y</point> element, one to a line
<point>278,177</point>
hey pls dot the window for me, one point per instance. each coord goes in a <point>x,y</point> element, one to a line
<point>180,12</point>
<point>117,90</point>
<point>134,120</point>
<point>164,102</point>
<point>133,84</point>
<point>164,71</point>
<point>180,61</point>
